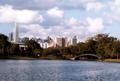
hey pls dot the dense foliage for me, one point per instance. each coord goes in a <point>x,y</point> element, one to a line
<point>102,45</point>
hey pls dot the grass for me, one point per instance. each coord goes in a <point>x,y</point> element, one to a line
<point>50,57</point>
<point>17,58</point>
<point>31,58</point>
<point>112,60</point>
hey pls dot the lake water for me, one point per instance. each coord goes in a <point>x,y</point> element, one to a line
<point>47,70</point>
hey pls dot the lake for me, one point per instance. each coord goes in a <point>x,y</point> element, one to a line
<point>51,70</point>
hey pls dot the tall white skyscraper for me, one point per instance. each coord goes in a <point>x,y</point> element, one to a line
<point>16,33</point>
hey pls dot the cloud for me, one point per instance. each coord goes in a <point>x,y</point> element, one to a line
<point>10,15</point>
<point>28,16</point>
<point>40,18</point>
<point>95,25</point>
<point>96,6</point>
<point>63,4</point>
<point>69,28</point>
<point>55,12</point>
<point>53,16</point>
<point>115,6</point>
<point>113,13</point>
<point>7,14</point>
<point>47,4</point>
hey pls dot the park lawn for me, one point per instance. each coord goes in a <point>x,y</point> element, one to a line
<point>112,60</point>
<point>16,58</point>
<point>31,58</point>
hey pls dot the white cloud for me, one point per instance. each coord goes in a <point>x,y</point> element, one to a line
<point>71,21</point>
<point>95,25</point>
<point>114,14</point>
<point>10,15</point>
<point>33,30</point>
<point>63,4</point>
<point>69,28</point>
<point>116,9</point>
<point>55,12</point>
<point>28,16</point>
<point>53,21</point>
<point>7,14</point>
<point>96,6</point>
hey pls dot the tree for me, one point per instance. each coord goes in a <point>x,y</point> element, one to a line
<point>103,40</point>
<point>31,46</point>
<point>4,44</point>
<point>91,46</point>
<point>14,49</point>
<point>116,48</point>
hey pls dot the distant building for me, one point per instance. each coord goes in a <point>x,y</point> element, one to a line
<point>11,37</point>
<point>44,44</point>
<point>16,34</point>
<point>74,40</point>
<point>22,46</point>
<point>61,42</point>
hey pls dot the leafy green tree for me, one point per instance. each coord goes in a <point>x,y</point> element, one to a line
<point>91,46</point>
<point>14,50</point>
<point>4,43</point>
<point>108,50</point>
<point>116,48</point>
<point>51,51</point>
<point>81,48</point>
<point>31,46</point>
<point>103,40</point>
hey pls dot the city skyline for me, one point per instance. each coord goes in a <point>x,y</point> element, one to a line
<point>82,18</point>
<point>44,43</point>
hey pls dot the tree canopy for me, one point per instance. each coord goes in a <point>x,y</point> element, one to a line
<point>102,45</point>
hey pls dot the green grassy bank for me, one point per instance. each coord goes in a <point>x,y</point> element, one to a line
<point>31,58</point>
<point>112,60</point>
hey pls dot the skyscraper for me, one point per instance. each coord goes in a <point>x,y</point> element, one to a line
<point>16,33</point>
<point>11,37</point>
<point>74,40</point>
<point>61,42</point>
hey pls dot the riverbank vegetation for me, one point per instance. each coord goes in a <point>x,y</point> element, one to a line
<point>101,45</point>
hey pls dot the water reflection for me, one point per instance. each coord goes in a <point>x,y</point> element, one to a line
<point>44,70</point>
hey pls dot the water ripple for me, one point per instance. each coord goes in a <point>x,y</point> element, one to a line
<point>44,70</point>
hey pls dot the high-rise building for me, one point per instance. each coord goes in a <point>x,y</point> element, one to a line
<point>61,42</point>
<point>11,37</point>
<point>16,33</point>
<point>74,40</point>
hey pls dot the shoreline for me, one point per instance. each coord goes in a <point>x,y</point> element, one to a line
<point>55,58</point>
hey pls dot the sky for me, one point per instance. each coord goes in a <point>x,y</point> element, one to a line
<point>60,18</point>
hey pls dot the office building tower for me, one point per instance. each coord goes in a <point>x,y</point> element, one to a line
<point>74,40</point>
<point>16,33</point>
<point>61,42</point>
<point>11,37</point>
